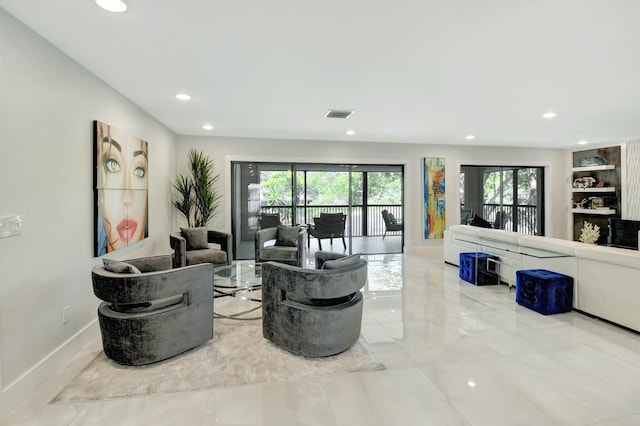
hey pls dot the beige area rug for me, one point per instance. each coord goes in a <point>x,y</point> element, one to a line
<point>237,355</point>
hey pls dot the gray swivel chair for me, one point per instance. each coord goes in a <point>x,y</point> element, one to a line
<point>314,312</point>
<point>285,244</point>
<point>151,312</point>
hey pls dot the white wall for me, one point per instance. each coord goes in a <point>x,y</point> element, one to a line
<point>47,105</point>
<point>225,150</point>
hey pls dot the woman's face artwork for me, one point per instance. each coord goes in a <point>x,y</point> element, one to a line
<point>122,183</point>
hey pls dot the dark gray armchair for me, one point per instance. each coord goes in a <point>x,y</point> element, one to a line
<point>314,312</point>
<point>151,312</point>
<point>285,244</point>
<point>191,246</point>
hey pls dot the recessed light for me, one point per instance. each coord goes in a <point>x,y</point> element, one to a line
<point>583,142</point>
<point>350,132</point>
<point>112,5</point>
<point>469,137</point>
<point>549,114</point>
<point>207,126</point>
<point>183,96</point>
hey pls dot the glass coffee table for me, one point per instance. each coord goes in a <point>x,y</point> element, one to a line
<point>237,291</point>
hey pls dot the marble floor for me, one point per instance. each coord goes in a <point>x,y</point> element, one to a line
<point>456,354</point>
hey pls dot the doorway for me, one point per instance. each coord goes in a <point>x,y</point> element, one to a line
<point>299,192</point>
<point>503,197</point>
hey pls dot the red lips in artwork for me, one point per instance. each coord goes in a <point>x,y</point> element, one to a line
<point>126,229</point>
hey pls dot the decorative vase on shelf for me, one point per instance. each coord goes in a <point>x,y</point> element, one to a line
<point>592,161</point>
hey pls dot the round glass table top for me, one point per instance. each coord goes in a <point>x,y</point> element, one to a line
<point>237,291</point>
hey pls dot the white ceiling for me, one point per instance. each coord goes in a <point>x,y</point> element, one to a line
<point>417,71</point>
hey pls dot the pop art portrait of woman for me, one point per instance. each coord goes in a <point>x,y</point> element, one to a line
<point>122,183</point>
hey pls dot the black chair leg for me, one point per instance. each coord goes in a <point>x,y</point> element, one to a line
<point>385,234</point>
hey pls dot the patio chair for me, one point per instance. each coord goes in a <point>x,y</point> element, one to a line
<point>391,223</point>
<point>465,216</point>
<point>500,221</point>
<point>328,225</point>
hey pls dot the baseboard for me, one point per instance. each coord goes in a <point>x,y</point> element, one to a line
<point>52,371</point>
<point>624,327</point>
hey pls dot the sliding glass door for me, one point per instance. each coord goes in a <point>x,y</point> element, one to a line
<point>300,192</point>
<point>508,197</point>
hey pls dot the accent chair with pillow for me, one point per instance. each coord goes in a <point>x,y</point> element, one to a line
<point>314,312</point>
<point>192,246</point>
<point>285,244</point>
<point>151,312</point>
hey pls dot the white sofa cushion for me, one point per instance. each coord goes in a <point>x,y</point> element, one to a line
<point>611,255</point>
<point>508,237</point>
<point>465,232</point>
<point>551,244</point>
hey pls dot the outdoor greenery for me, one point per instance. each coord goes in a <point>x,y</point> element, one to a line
<point>195,194</point>
<point>500,182</point>
<point>330,188</point>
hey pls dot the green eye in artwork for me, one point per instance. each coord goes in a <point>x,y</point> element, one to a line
<point>111,165</point>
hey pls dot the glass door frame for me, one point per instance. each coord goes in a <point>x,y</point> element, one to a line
<point>238,194</point>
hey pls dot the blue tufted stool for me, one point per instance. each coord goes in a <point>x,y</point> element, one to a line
<point>475,268</point>
<point>544,291</point>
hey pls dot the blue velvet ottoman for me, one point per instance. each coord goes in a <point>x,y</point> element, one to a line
<point>476,268</point>
<point>544,291</point>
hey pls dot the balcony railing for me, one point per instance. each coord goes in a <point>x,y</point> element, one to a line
<point>526,217</point>
<point>369,223</point>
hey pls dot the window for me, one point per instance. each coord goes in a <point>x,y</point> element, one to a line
<point>507,196</point>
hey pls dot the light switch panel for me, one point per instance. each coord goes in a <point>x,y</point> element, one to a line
<point>10,226</point>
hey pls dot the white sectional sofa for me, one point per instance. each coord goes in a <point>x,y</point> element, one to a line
<point>606,279</point>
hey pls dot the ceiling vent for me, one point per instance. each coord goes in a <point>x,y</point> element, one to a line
<point>334,113</point>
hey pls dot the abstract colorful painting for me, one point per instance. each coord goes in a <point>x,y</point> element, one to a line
<point>434,196</point>
<point>121,185</point>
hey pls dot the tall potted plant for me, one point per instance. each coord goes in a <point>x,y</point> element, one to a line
<point>195,195</point>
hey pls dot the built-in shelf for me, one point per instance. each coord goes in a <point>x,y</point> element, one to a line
<point>603,212</point>
<point>601,189</point>
<point>594,168</point>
